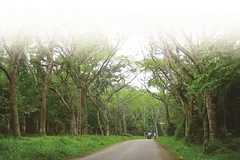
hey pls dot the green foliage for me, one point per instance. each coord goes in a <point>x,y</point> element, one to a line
<point>54,147</point>
<point>217,150</point>
<point>234,145</point>
<point>219,146</point>
<point>171,129</point>
<point>215,146</point>
<point>180,130</point>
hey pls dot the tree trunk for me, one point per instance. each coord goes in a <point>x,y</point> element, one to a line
<point>205,132</point>
<point>119,124</point>
<point>167,113</point>
<point>43,108</point>
<point>211,113</point>
<point>13,104</point>
<point>79,113</point>
<point>99,122</point>
<point>156,128</point>
<point>23,125</point>
<point>43,111</point>
<point>73,126</point>
<point>189,117</point>
<point>204,118</point>
<point>124,124</point>
<point>163,130</point>
<point>107,127</point>
<point>84,110</point>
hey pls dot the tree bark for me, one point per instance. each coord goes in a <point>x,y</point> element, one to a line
<point>209,98</point>
<point>73,125</point>
<point>43,108</point>
<point>84,110</point>
<point>124,123</point>
<point>13,103</point>
<point>205,132</point>
<point>99,122</point>
<point>43,111</point>
<point>189,117</point>
<point>12,77</point>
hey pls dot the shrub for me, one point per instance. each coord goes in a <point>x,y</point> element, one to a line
<point>170,129</point>
<point>214,146</point>
<point>234,145</point>
<point>180,130</point>
<point>127,135</point>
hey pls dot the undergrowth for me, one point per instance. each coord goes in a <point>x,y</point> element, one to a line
<point>217,150</point>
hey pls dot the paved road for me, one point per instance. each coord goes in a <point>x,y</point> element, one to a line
<point>144,149</point>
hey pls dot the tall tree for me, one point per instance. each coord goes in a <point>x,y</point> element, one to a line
<point>12,52</point>
<point>91,57</point>
<point>46,49</point>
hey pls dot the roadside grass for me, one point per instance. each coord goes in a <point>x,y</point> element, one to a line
<point>217,150</point>
<point>55,147</point>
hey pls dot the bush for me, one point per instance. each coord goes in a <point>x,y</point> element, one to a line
<point>180,130</point>
<point>128,135</point>
<point>234,145</point>
<point>170,129</point>
<point>215,146</point>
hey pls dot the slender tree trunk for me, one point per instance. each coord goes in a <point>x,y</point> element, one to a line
<point>124,124</point>
<point>43,111</point>
<point>205,132</point>
<point>115,123</point>
<point>189,117</point>
<point>43,107</point>
<point>107,127</point>
<point>84,110</point>
<point>163,130</point>
<point>211,113</point>
<point>48,126</point>
<point>99,122</point>
<point>23,125</point>
<point>79,113</point>
<point>156,128</point>
<point>37,125</point>
<point>119,123</point>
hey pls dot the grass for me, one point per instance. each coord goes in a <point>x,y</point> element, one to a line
<point>55,147</point>
<point>195,152</point>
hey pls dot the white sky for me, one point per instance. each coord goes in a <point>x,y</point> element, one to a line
<point>128,16</point>
<point>113,14</point>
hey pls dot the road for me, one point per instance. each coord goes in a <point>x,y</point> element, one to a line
<point>132,150</point>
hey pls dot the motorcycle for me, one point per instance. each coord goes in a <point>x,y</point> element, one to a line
<point>149,136</point>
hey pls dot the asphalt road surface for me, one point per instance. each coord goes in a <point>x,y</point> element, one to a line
<point>144,149</point>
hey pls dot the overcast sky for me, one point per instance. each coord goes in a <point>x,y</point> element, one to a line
<point>114,14</point>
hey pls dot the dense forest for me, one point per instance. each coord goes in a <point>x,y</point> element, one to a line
<point>77,83</point>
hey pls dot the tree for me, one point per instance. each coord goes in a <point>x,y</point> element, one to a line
<point>46,50</point>
<point>12,51</point>
<point>111,81</point>
<point>91,57</point>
